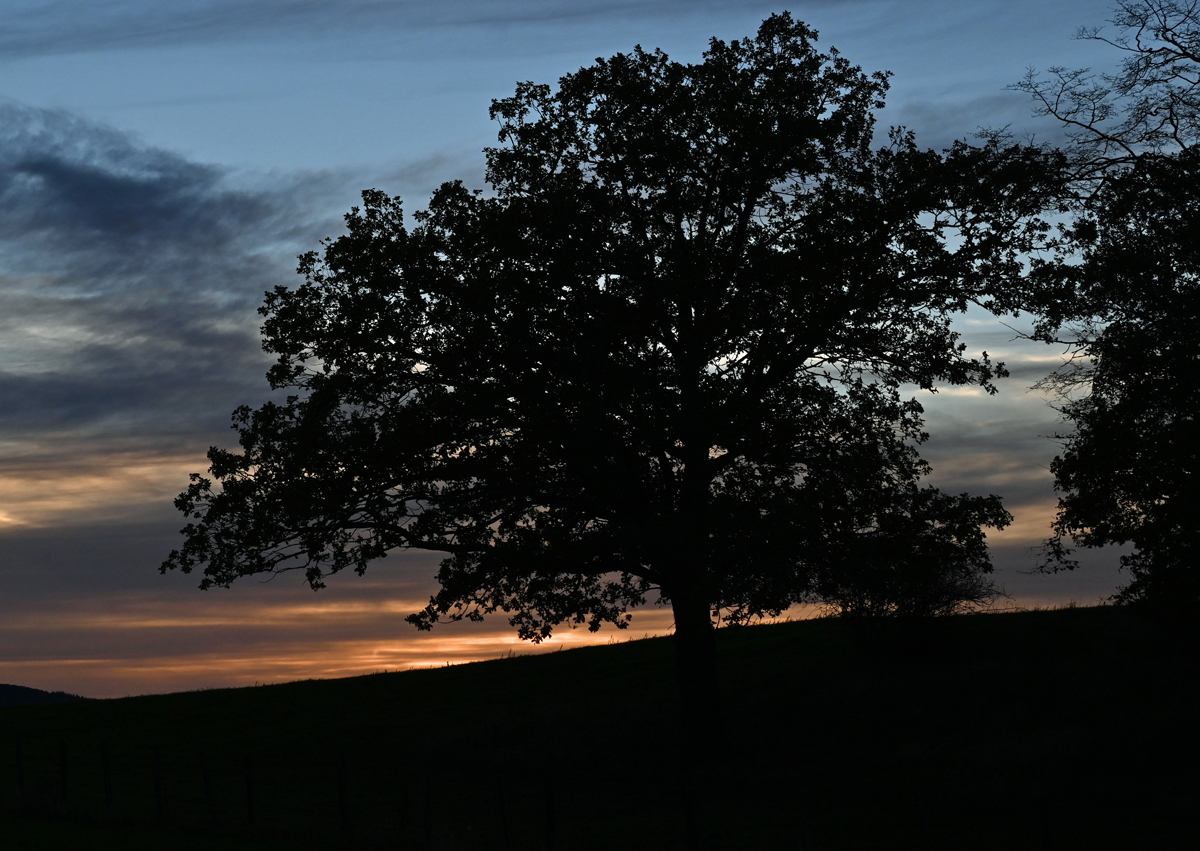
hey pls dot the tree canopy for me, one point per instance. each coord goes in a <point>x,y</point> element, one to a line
<point>1125,299</point>
<point>1127,472</point>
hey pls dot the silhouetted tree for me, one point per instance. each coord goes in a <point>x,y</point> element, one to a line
<point>1128,471</point>
<point>1125,299</point>
<point>921,554</point>
<point>646,364</point>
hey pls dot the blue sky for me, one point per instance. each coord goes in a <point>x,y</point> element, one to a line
<point>288,84</point>
<point>161,165</point>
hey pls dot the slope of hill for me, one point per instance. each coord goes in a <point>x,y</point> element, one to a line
<point>11,695</point>
<point>1066,729</point>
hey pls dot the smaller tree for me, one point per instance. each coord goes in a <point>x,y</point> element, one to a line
<point>889,546</point>
<point>859,533</point>
<point>923,557</point>
<point>1128,473</point>
<point>1123,294</point>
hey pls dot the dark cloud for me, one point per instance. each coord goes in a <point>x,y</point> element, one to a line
<point>85,562</point>
<point>70,26</point>
<point>79,199</point>
<point>129,279</point>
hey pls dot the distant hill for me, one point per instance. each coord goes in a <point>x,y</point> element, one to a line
<point>25,696</point>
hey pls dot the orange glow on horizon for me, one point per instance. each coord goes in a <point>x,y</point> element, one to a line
<point>276,651</point>
<point>279,652</point>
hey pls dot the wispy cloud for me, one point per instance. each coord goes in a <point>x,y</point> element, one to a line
<point>69,26</point>
<point>129,279</point>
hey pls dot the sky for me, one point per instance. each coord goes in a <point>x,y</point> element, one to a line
<point>161,166</point>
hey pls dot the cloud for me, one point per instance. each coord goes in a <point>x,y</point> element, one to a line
<point>939,118</point>
<point>129,281</point>
<point>85,200</point>
<point>86,208</point>
<point>70,26</point>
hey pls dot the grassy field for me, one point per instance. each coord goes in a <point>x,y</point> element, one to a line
<point>1064,729</point>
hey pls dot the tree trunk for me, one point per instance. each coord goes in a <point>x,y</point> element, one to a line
<point>700,730</point>
<point>696,667</point>
<point>688,586</point>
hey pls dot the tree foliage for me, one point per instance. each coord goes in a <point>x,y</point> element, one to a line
<point>662,358</point>
<point>922,555</point>
<point>1128,471</point>
<point>1125,301</point>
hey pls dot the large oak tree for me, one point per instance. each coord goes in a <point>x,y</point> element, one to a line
<point>660,359</point>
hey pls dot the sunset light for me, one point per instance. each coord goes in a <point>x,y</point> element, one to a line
<point>162,173</point>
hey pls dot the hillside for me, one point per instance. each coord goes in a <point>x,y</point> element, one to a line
<point>11,695</point>
<point>1065,729</point>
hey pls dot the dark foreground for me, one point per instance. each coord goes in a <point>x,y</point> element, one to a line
<point>1041,730</point>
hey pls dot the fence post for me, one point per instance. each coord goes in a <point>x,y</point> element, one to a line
<point>343,804</point>
<point>504,814</point>
<point>21,788</point>
<point>106,779</point>
<point>1046,831</point>
<point>495,734</point>
<point>208,801</point>
<point>159,801</point>
<point>249,769</point>
<point>551,844</point>
<point>62,777</point>
<point>402,809</point>
<point>427,816</point>
<point>553,733</point>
